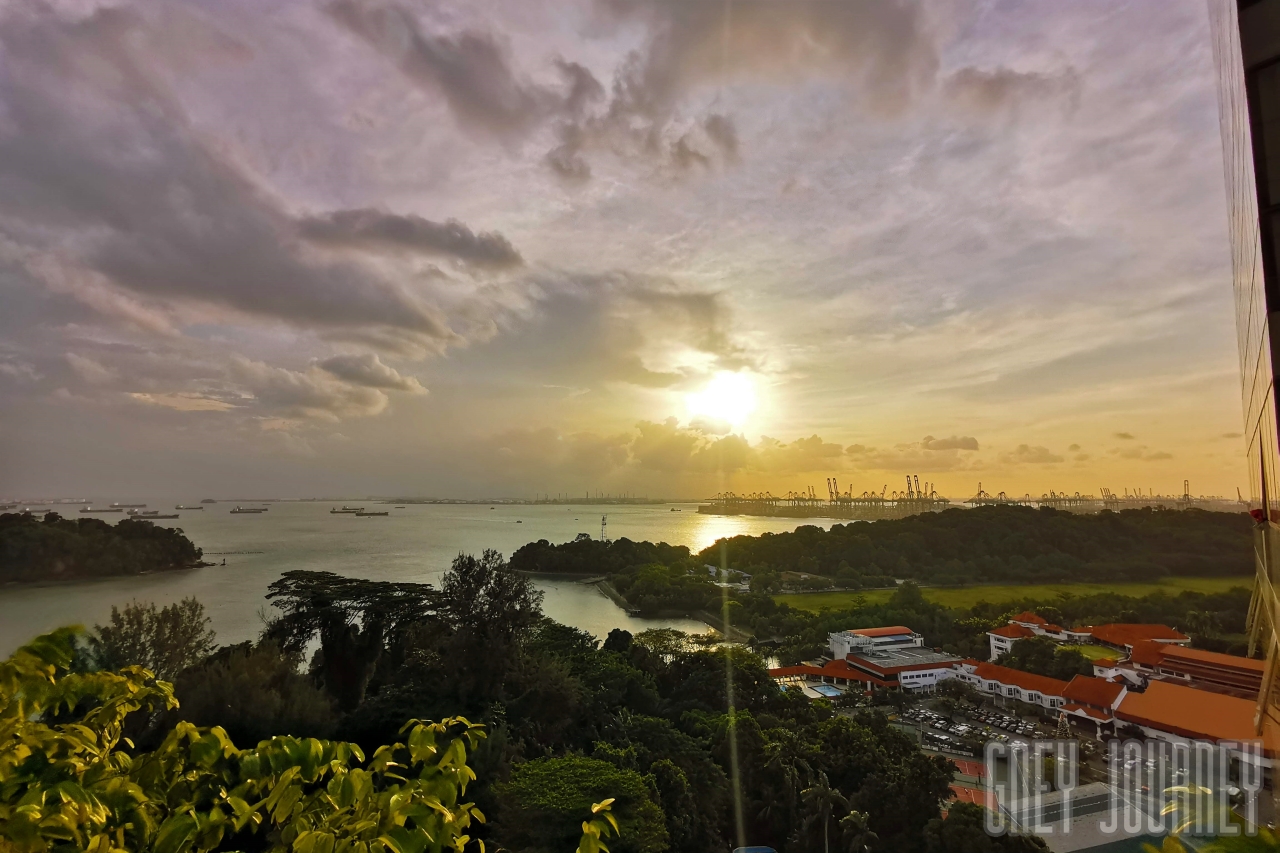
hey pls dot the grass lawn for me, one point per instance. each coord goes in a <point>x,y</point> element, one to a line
<point>967,596</point>
<point>1094,652</point>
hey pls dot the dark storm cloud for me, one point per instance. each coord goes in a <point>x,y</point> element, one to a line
<point>101,169</point>
<point>382,230</point>
<point>368,370</point>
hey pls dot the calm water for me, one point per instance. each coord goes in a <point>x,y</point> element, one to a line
<point>412,544</point>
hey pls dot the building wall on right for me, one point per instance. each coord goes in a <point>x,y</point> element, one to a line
<point>1246,48</point>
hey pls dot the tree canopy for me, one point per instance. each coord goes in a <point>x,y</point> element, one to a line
<point>52,548</point>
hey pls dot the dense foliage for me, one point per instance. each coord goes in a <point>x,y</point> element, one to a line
<point>70,781</point>
<point>1045,657</point>
<point>53,548</point>
<point>1005,543</point>
<point>646,720</point>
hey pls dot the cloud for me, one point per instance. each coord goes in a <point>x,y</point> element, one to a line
<point>183,402</point>
<point>988,90</point>
<point>20,370</point>
<point>1140,453</point>
<point>368,370</point>
<point>1025,454</point>
<point>381,230</point>
<point>1073,448</point>
<point>89,370</point>
<point>471,70</point>
<point>962,442</point>
<point>313,393</point>
<point>1125,436</point>
<point>116,195</point>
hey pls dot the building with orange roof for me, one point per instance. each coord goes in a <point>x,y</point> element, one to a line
<point>860,640</point>
<point>1177,714</point>
<point>993,680</point>
<point>1213,671</point>
<point>1027,619</point>
<point>1002,639</point>
<point>1123,636</point>
<point>835,672</point>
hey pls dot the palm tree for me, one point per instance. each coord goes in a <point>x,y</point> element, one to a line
<point>788,771</point>
<point>856,836</point>
<point>822,802</point>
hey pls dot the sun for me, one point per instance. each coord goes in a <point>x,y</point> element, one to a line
<point>728,397</point>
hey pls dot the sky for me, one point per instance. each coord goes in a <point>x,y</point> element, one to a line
<point>657,247</point>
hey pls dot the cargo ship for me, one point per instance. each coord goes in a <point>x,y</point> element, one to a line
<point>248,510</point>
<point>351,510</point>
<point>91,509</point>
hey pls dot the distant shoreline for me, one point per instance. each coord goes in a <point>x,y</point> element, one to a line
<point>86,579</point>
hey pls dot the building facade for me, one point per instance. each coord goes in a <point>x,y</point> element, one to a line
<point>1246,48</point>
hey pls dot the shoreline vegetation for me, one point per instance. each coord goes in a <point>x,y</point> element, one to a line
<point>51,549</point>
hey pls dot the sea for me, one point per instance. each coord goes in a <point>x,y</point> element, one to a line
<point>416,543</point>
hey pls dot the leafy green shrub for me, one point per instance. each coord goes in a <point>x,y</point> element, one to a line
<point>544,801</point>
<point>70,781</point>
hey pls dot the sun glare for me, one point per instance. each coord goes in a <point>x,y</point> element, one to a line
<point>728,397</point>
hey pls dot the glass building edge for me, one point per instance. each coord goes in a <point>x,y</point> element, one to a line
<point>1253,328</point>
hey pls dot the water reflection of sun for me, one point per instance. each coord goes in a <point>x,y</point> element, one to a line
<point>714,527</point>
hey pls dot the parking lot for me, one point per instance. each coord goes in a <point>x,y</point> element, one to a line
<point>972,729</point>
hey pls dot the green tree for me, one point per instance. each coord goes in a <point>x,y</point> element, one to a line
<point>963,831</point>
<point>354,619</point>
<point>164,641</point>
<point>543,804</point>
<point>822,805</point>
<point>253,693</point>
<point>74,785</point>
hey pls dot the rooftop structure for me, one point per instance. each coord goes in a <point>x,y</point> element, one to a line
<point>1124,635</point>
<point>1213,671</point>
<point>1171,711</point>
<point>861,640</point>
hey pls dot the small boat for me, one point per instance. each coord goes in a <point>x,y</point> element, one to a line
<point>91,509</point>
<point>180,506</point>
<point>247,510</point>
<point>352,510</point>
<point>518,521</point>
<point>399,507</point>
<point>367,514</point>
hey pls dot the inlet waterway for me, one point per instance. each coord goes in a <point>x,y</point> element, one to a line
<point>416,543</point>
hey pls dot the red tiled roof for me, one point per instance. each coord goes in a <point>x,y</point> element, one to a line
<point>1087,690</point>
<point>1182,653</point>
<point>1030,618</point>
<point>1013,632</point>
<point>1017,678</point>
<point>892,631</point>
<point>1189,713</point>
<point>1092,713</point>
<point>1057,629</point>
<point>1128,634</point>
<point>830,669</point>
<point>1147,653</point>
